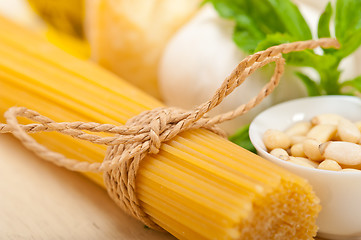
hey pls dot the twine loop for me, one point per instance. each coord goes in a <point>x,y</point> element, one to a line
<point>145,133</point>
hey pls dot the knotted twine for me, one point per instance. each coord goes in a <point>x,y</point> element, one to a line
<point>144,133</point>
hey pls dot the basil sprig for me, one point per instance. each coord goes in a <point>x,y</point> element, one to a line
<point>261,24</point>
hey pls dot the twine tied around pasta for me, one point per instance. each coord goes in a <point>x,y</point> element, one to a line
<point>144,133</point>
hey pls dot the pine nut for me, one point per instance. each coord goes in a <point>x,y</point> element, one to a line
<point>300,128</point>
<point>280,153</point>
<point>327,118</point>
<point>311,149</point>
<point>297,150</point>
<point>322,132</point>
<point>276,139</point>
<point>297,139</point>
<point>348,131</point>
<point>329,164</point>
<point>303,162</point>
<point>342,152</point>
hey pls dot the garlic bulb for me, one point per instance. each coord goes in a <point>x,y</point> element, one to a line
<point>200,56</point>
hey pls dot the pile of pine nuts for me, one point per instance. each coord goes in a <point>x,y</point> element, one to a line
<point>328,142</point>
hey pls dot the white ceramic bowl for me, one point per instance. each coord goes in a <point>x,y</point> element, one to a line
<point>340,192</point>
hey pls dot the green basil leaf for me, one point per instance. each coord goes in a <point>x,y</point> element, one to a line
<point>261,12</point>
<point>247,32</point>
<point>228,9</point>
<point>350,44</point>
<point>260,24</point>
<point>241,138</point>
<point>272,40</point>
<point>305,58</point>
<point>292,19</point>
<point>348,26</point>
<point>311,85</point>
<point>323,29</point>
<point>245,40</point>
<point>257,19</point>
<point>329,78</point>
<point>348,18</point>
<point>264,16</point>
<point>354,84</point>
<point>308,58</point>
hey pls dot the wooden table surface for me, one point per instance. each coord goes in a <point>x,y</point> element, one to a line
<point>41,201</point>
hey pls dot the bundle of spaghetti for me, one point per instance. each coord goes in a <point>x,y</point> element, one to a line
<point>199,185</point>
